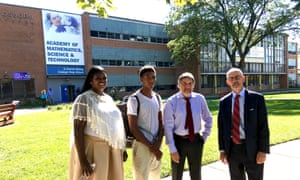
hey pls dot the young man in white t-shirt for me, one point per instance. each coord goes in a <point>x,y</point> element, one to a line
<point>146,125</point>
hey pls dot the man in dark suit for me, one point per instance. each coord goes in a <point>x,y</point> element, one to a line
<point>243,130</point>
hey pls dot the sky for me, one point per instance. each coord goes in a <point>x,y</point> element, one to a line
<point>145,10</point>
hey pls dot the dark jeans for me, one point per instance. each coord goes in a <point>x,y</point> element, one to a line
<point>193,152</point>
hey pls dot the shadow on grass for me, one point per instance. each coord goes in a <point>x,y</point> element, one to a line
<point>274,106</point>
<point>283,107</point>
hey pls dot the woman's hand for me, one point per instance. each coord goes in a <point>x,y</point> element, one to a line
<point>87,168</point>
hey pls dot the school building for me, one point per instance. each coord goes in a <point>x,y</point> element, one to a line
<point>37,55</point>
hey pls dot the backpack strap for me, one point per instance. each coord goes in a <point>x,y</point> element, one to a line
<point>158,100</point>
<point>138,104</point>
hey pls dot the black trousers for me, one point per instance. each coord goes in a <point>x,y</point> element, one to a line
<point>240,166</point>
<point>193,152</point>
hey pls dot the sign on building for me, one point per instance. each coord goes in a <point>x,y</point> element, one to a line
<point>63,43</point>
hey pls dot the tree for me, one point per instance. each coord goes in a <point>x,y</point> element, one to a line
<point>297,6</point>
<point>101,6</point>
<point>235,25</point>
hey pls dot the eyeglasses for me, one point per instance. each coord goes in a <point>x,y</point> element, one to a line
<point>187,83</point>
<point>238,77</point>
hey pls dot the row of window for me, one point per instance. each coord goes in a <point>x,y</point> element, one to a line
<point>113,90</point>
<point>128,37</point>
<point>220,67</point>
<point>252,80</point>
<point>208,82</point>
<point>12,89</point>
<point>110,62</point>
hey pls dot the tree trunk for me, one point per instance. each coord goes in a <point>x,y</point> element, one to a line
<point>192,65</point>
<point>242,63</point>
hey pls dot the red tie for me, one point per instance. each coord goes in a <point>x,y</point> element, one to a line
<point>189,120</point>
<point>236,121</point>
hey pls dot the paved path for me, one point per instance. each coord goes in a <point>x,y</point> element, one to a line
<point>28,111</point>
<point>282,164</point>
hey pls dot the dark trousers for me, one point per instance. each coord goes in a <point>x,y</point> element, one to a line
<point>241,166</point>
<point>193,152</point>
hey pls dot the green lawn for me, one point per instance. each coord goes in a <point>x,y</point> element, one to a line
<point>37,145</point>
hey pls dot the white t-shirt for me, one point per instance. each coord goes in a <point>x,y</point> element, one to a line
<point>147,120</point>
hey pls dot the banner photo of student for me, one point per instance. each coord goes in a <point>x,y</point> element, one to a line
<point>63,43</point>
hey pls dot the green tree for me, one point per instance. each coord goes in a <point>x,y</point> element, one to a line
<point>101,6</point>
<point>234,25</point>
<point>297,6</point>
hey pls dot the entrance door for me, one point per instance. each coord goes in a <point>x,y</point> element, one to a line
<point>67,92</point>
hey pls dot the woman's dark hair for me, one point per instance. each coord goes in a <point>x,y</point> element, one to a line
<point>87,83</point>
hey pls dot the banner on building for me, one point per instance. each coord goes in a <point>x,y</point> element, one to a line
<point>63,43</point>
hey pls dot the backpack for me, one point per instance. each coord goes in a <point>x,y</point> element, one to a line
<point>123,108</point>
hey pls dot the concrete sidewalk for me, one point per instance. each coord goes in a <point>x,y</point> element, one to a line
<point>282,163</point>
<point>29,111</point>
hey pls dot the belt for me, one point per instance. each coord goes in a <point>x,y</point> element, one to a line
<point>242,141</point>
<point>185,136</point>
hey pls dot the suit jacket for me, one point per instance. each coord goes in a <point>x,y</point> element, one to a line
<point>256,124</point>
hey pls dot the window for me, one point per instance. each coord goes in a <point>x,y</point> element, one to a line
<point>128,63</point>
<point>129,37</point>
<point>94,33</point>
<point>253,80</point>
<point>207,81</point>
<point>125,37</point>
<point>102,34</point>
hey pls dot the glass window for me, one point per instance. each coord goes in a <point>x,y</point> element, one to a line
<point>128,63</point>
<point>165,40</point>
<point>110,35</point>
<point>221,81</point>
<point>153,39</point>
<point>117,36</point>
<point>265,80</point>
<point>115,62</point>
<point>125,36</point>
<point>102,34</point>
<point>141,63</point>
<point>104,62</point>
<point>132,38</point>
<point>207,81</point>
<point>253,80</point>
<point>94,33</point>
<point>96,62</point>
<point>139,38</point>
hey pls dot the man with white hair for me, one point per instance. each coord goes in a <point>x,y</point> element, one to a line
<point>184,114</point>
<point>243,129</point>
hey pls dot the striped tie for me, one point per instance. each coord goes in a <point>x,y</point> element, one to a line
<point>236,121</point>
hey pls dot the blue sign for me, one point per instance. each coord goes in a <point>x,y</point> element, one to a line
<point>65,70</point>
<point>21,76</point>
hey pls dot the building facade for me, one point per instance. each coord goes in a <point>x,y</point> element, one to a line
<point>38,55</point>
<point>265,67</point>
<point>292,60</point>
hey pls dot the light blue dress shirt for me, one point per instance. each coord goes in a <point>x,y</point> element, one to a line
<point>175,116</point>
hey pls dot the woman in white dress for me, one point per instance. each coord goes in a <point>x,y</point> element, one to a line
<point>98,136</point>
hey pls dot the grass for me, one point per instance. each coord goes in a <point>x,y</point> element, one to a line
<point>37,145</point>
